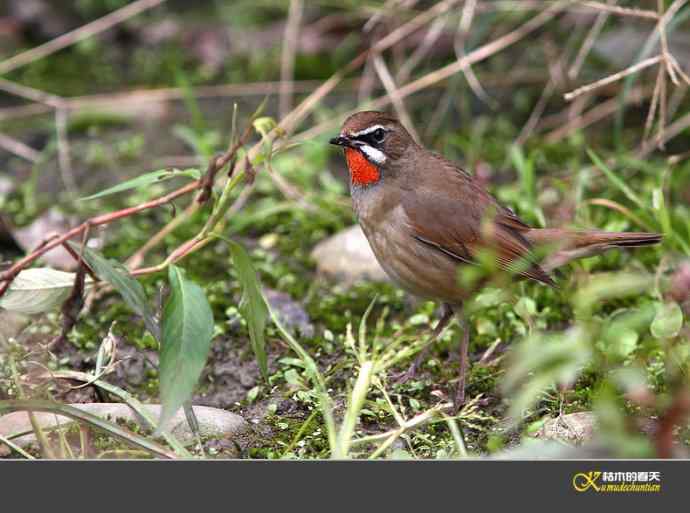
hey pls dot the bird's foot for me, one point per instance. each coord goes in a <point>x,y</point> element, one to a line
<point>458,398</point>
<point>405,376</point>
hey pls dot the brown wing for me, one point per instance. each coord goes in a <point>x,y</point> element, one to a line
<point>452,213</point>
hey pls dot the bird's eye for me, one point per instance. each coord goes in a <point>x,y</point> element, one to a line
<point>378,135</point>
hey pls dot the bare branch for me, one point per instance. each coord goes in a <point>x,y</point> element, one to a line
<point>623,11</point>
<point>392,90</point>
<point>613,78</point>
<point>463,30</point>
<point>589,42</point>
<point>287,61</point>
<point>64,159</point>
<point>19,148</point>
<point>74,36</point>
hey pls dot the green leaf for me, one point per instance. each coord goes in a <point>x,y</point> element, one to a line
<point>526,308</point>
<point>145,180</point>
<point>488,298</point>
<point>605,286</point>
<point>129,288</point>
<point>37,290</point>
<point>420,319</point>
<point>253,306</point>
<point>626,343</point>
<point>668,321</point>
<point>264,125</point>
<point>293,378</point>
<point>187,332</point>
<point>253,394</point>
<point>486,327</point>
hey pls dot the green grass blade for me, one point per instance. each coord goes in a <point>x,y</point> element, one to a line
<point>615,180</point>
<point>145,180</point>
<point>253,305</point>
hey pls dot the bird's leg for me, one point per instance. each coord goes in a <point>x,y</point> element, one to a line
<point>459,398</point>
<point>446,316</point>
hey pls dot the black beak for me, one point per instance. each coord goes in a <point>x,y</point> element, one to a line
<point>341,141</point>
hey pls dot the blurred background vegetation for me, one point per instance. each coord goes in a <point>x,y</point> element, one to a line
<point>598,367</point>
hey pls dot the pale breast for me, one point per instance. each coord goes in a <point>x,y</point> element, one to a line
<point>414,266</point>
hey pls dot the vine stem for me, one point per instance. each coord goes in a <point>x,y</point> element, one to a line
<point>103,219</point>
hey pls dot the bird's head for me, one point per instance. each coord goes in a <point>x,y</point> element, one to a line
<point>373,142</point>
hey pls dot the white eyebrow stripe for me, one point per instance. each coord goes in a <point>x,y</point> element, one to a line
<point>373,154</point>
<point>366,131</point>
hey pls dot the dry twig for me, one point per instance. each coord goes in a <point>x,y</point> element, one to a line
<point>613,78</point>
<point>19,148</point>
<point>460,40</point>
<point>480,54</point>
<point>83,32</point>
<point>287,62</point>
<point>392,90</point>
<point>589,42</point>
<point>623,11</point>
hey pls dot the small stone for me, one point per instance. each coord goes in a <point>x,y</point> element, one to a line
<point>49,223</point>
<point>213,422</point>
<point>12,324</point>
<point>679,288</point>
<point>573,428</point>
<point>348,258</point>
<point>6,186</point>
<point>133,366</point>
<point>291,313</point>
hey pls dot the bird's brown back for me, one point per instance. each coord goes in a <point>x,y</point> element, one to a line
<point>447,209</point>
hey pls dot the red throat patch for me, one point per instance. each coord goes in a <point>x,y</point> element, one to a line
<point>362,171</point>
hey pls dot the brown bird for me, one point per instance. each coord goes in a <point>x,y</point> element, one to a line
<point>424,217</point>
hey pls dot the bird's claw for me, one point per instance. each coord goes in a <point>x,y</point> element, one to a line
<point>404,377</point>
<point>458,398</point>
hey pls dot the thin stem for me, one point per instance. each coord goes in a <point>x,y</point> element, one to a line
<point>103,219</point>
<point>613,78</point>
<point>79,34</point>
<point>16,448</point>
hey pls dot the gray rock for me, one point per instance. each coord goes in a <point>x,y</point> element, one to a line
<point>50,222</point>
<point>622,45</point>
<point>212,421</point>
<point>6,186</point>
<point>291,313</point>
<point>574,428</point>
<point>533,449</point>
<point>348,258</point>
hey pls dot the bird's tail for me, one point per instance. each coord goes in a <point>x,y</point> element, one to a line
<point>576,239</point>
<point>569,245</point>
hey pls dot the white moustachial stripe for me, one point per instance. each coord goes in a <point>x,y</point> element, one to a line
<point>376,156</point>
